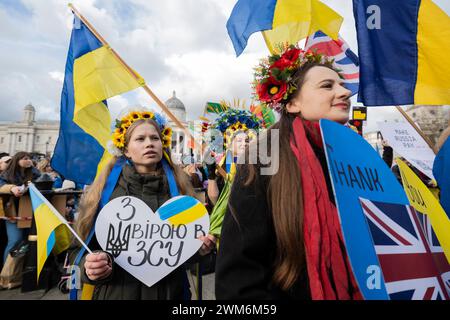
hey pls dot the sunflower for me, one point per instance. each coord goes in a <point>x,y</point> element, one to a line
<point>147,115</point>
<point>120,131</point>
<point>166,142</point>
<point>126,121</point>
<point>167,133</point>
<point>118,140</point>
<point>135,115</point>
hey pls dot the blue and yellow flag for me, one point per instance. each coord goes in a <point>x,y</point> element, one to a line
<point>281,21</point>
<point>48,223</point>
<point>403,47</point>
<point>93,74</point>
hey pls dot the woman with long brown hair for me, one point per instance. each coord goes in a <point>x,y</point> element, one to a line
<point>281,237</point>
<point>143,139</point>
<point>13,181</point>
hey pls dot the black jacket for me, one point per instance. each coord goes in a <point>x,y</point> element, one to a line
<point>247,246</point>
<point>388,155</point>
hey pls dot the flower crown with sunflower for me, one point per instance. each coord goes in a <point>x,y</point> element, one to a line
<point>234,120</point>
<point>127,118</point>
<point>274,76</point>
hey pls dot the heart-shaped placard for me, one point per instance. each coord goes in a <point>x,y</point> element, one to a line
<point>150,245</point>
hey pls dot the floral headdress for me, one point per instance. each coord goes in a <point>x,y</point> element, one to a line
<point>273,83</point>
<point>127,117</point>
<point>234,120</point>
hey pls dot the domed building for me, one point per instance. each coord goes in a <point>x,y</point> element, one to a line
<point>176,106</point>
<point>28,134</point>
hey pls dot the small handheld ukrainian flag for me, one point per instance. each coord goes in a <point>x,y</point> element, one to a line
<point>48,222</point>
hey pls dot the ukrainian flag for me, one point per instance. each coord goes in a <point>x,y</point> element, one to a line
<point>48,220</point>
<point>282,21</point>
<point>93,74</point>
<point>403,52</point>
<point>182,210</point>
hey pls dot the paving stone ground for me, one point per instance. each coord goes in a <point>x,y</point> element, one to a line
<point>55,294</point>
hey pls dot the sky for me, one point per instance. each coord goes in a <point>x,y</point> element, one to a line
<point>179,45</point>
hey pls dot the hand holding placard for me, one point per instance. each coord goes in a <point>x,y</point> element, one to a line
<point>150,245</point>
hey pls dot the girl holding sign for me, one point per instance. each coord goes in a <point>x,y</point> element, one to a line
<point>281,237</point>
<point>141,168</point>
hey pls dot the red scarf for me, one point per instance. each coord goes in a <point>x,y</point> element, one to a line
<point>330,275</point>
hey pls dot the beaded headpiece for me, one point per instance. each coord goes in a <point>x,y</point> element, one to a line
<point>233,120</point>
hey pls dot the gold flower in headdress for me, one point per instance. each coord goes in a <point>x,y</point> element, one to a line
<point>122,125</point>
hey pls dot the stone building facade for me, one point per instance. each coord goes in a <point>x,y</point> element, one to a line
<point>41,136</point>
<point>432,120</point>
<point>28,134</point>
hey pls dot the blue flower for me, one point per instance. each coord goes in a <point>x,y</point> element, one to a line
<point>160,120</point>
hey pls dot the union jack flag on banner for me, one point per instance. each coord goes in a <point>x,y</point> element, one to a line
<point>344,58</point>
<point>412,262</point>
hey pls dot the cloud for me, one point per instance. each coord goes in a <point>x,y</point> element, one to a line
<point>154,38</point>
<point>179,45</point>
<point>444,5</point>
<point>56,75</point>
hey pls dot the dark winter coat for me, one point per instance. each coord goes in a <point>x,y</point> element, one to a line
<point>247,250</point>
<point>120,285</point>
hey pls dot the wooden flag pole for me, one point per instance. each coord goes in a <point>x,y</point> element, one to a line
<point>144,86</point>
<point>131,71</point>
<point>411,122</point>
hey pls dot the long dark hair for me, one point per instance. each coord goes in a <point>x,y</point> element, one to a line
<point>284,196</point>
<point>14,173</point>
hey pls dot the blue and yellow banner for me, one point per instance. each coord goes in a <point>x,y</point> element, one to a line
<point>48,223</point>
<point>403,47</point>
<point>421,198</point>
<point>93,74</point>
<point>282,21</point>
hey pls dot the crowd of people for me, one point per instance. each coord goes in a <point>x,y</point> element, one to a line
<point>15,173</point>
<point>268,231</point>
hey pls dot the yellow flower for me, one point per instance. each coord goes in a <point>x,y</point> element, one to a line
<point>229,132</point>
<point>127,123</point>
<point>116,135</point>
<point>147,115</point>
<point>125,128</point>
<point>126,119</point>
<point>167,132</point>
<point>118,140</point>
<point>166,142</point>
<point>273,90</point>
<point>135,116</point>
<point>120,131</point>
